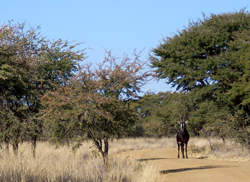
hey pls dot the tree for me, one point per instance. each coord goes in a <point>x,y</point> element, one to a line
<point>95,103</point>
<point>29,66</point>
<point>175,107</point>
<point>200,55</point>
<point>210,58</point>
<point>159,113</point>
<point>149,124</point>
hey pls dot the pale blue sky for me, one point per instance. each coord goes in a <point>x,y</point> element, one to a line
<point>120,25</point>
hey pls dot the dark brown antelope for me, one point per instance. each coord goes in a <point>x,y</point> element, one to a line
<point>182,138</point>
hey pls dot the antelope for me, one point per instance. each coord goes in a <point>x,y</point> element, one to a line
<point>182,138</point>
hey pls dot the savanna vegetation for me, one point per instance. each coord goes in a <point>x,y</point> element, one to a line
<point>63,164</point>
<point>49,93</point>
<point>209,63</point>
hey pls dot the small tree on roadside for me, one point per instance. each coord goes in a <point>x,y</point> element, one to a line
<point>95,103</point>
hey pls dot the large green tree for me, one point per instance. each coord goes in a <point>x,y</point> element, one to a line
<point>210,58</point>
<point>29,66</point>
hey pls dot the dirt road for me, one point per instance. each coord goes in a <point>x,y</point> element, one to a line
<point>187,170</point>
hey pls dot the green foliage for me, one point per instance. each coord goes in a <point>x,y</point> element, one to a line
<point>201,55</point>
<point>29,66</point>
<point>95,103</point>
<point>210,60</point>
<point>160,113</point>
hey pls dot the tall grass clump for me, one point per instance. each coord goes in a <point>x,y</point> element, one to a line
<point>214,148</point>
<point>62,164</point>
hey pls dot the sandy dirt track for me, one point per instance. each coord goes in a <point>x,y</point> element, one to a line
<point>187,170</point>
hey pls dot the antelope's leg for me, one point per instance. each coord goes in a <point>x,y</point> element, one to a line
<point>182,150</point>
<point>186,150</point>
<point>178,149</point>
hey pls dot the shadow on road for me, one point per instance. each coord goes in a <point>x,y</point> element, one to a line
<point>189,169</point>
<point>151,159</point>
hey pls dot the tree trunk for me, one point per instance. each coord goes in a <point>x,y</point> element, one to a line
<point>33,146</point>
<point>98,144</point>
<point>105,152</point>
<point>224,142</point>
<point>15,148</point>
<point>208,138</point>
<point>7,148</point>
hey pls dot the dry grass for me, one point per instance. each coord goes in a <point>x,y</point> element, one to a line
<point>216,149</point>
<point>63,165</point>
<point>86,165</point>
<point>198,147</point>
<point>141,143</point>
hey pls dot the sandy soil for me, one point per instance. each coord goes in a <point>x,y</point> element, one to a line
<point>198,170</point>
